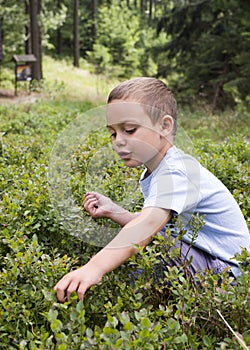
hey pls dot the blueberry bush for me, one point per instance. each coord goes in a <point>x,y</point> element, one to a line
<point>122,312</point>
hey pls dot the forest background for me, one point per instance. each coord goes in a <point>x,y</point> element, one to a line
<point>84,48</point>
<point>202,48</point>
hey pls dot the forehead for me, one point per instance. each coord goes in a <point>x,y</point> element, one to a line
<point>122,112</point>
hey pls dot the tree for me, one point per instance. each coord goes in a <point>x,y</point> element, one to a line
<point>209,48</point>
<point>1,40</point>
<point>27,40</point>
<point>94,15</point>
<point>121,46</point>
<point>12,35</point>
<point>36,39</point>
<point>76,33</point>
<point>59,32</point>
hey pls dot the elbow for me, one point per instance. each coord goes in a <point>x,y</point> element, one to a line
<point>143,243</point>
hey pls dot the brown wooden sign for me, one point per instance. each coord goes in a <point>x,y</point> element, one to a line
<point>23,68</point>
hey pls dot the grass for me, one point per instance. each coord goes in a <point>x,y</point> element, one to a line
<point>79,83</point>
<point>67,87</point>
<point>201,124</point>
<point>36,250</point>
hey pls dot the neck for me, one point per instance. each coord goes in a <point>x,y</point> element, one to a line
<point>152,164</point>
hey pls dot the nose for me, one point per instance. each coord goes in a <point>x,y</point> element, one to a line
<point>120,139</point>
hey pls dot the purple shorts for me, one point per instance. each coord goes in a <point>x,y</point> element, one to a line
<point>200,260</point>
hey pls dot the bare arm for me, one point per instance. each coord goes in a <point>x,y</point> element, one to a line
<point>138,231</point>
<point>100,206</point>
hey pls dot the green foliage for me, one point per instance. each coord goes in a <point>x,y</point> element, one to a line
<point>15,37</point>
<point>13,40</point>
<point>7,79</point>
<point>201,47</point>
<point>209,46</point>
<point>121,47</point>
<point>117,35</point>
<point>52,18</point>
<point>133,307</point>
<point>215,126</point>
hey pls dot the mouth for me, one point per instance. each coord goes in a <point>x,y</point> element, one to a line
<point>124,155</point>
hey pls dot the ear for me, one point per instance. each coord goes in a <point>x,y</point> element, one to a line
<point>167,125</point>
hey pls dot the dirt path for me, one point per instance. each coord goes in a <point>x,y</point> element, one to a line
<point>7,96</point>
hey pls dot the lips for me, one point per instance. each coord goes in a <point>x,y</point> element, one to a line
<point>124,155</point>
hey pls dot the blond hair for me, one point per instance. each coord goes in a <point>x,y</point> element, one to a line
<point>155,96</point>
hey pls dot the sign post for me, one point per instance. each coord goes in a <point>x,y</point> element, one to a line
<point>23,69</point>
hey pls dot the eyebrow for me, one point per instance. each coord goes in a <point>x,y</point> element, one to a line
<point>133,122</point>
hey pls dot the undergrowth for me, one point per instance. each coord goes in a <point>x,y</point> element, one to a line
<point>121,312</point>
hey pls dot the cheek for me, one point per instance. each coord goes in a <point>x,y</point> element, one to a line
<point>148,141</point>
<point>145,150</point>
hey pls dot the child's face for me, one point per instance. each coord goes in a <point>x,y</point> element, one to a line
<point>134,137</point>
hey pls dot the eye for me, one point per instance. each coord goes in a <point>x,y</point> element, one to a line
<point>130,131</point>
<point>113,135</point>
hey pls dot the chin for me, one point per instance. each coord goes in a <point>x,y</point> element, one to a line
<point>132,163</point>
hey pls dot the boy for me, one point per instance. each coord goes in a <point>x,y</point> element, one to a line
<point>141,117</point>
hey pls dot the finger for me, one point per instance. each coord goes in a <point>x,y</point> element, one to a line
<point>91,194</point>
<point>88,193</point>
<point>72,288</point>
<point>60,288</point>
<point>89,197</point>
<point>81,291</point>
<point>90,203</point>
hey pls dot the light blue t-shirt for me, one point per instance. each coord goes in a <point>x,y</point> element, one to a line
<point>181,184</point>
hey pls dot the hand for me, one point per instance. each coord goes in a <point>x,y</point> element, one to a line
<point>79,280</point>
<point>98,205</point>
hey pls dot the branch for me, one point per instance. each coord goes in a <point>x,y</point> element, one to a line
<point>237,335</point>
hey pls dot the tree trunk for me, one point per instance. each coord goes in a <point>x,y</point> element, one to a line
<point>94,12</point>
<point>150,15</point>
<point>59,42</point>
<point>219,86</point>
<point>36,42</point>
<point>59,33</point>
<point>76,34</point>
<point>1,40</point>
<point>142,6</point>
<point>27,44</point>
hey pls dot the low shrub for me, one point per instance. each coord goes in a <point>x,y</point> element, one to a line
<point>122,312</point>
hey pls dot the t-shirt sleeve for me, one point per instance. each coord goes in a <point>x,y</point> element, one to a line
<point>175,190</point>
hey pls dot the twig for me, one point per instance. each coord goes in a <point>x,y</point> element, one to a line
<point>241,341</point>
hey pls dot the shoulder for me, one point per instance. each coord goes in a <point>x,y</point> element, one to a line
<point>177,163</point>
